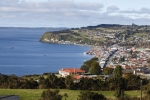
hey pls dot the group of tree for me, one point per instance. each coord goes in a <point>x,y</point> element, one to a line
<point>14,82</point>
<point>118,83</point>
<point>91,66</point>
<point>128,82</point>
<point>84,95</point>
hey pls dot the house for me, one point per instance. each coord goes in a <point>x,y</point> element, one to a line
<point>70,71</point>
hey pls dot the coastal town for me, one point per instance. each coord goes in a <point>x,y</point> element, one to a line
<point>124,45</point>
<point>133,60</point>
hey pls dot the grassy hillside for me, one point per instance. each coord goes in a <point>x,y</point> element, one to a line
<point>35,94</point>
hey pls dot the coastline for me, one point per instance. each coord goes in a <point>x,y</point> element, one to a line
<point>92,47</point>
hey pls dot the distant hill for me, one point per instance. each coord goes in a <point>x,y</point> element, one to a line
<point>67,37</point>
<point>103,34</point>
<point>104,26</point>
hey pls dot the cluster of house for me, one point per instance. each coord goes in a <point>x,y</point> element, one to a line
<point>133,60</point>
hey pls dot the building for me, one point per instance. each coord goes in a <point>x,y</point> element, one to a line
<point>70,71</point>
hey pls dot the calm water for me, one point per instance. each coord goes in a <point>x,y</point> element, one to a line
<point>21,53</point>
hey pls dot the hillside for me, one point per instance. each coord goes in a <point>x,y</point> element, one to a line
<point>104,34</point>
<point>68,37</point>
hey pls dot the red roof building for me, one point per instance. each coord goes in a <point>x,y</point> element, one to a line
<point>70,71</point>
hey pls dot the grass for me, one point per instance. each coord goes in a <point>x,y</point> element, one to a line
<point>109,29</point>
<point>24,94</point>
<point>35,94</point>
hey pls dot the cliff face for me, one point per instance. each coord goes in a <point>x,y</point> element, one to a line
<point>49,37</point>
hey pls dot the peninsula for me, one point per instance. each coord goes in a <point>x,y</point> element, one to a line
<point>102,35</point>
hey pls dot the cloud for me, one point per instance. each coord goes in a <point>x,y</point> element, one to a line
<point>8,2</point>
<point>50,6</point>
<point>145,10</point>
<point>54,10</point>
<point>129,13</point>
<point>112,8</point>
<point>67,13</point>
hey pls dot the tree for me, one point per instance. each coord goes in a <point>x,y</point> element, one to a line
<point>13,81</point>
<point>132,82</point>
<point>94,59</point>
<point>52,80</point>
<point>107,71</point>
<point>51,95</point>
<point>3,81</point>
<point>88,95</point>
<point>95,68</point>
<point>60,83</point>
<point>146,89</point>
<point>42,83</point>
<point>89,62</point>
<point>69,81</point>
<point>85,68</point>
<point>119,82</point>
<point>86,83</point>
<point>118,72</point>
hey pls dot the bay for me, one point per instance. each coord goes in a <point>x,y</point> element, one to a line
<point>21,53</point>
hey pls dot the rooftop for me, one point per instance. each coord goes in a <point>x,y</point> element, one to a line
<point>71,70</point>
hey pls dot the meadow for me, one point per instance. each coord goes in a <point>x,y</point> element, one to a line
<point>35,94</point>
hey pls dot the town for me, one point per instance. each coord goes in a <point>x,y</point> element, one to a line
<point>124,45</point>
<point>133,60</point>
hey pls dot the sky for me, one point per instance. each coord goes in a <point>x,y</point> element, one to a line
<point>73,13</point>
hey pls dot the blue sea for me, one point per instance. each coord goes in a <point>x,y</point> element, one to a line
<point>21,53</point>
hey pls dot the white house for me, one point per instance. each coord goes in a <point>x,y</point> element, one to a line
<point>70,71</point>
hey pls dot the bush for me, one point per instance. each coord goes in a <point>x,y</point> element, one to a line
<point>51,95</point>
<point>88,95</point>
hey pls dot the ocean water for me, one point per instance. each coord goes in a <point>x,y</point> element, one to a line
<point>21,53</point>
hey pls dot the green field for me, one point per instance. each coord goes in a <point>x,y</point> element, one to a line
<point>35,94</point>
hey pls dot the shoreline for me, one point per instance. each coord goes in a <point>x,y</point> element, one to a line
<point>65,43</point>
